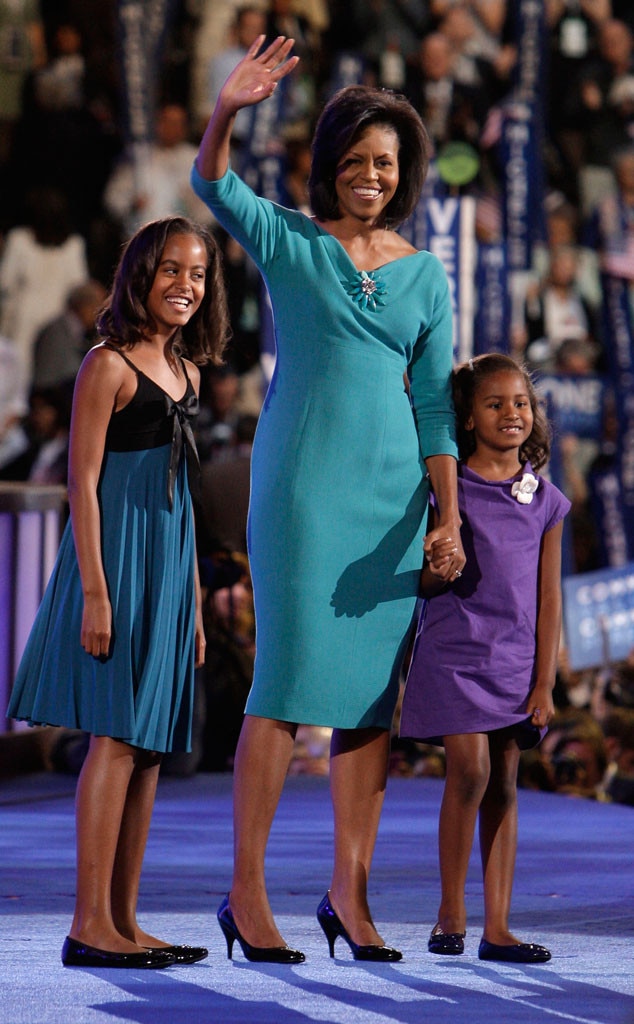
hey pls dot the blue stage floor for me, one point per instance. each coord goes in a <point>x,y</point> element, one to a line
<point>574,892</point>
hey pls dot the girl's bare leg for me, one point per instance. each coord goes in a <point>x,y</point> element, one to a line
<point>498,839</point>
<point>135,825</point>
<point>100,800</point>
<point>262,758</point>
<point>358,775</point>
<point>466,781</point>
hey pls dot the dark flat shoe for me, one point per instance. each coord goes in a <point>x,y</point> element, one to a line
<point>182,954</point>
<point>77,954</point>
<point>332,927</point>
<point>446,943</point>
<point>256,954</point>
<point>520,953</point>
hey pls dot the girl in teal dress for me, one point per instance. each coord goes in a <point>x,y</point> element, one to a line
<point>339,489</point>
<point>119,630</point>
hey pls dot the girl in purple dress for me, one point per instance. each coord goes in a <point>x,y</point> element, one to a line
<point>485,657</point>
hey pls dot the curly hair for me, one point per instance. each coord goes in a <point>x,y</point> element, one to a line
<point>344,119</point>
<point>469,377</point>
<point>124,318</point>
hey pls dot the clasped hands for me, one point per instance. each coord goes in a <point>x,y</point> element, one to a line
<point>444,554</point>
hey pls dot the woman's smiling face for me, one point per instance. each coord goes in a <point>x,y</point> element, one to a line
<point>368,174</point>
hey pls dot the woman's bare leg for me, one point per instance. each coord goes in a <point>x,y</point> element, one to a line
<point>465,784</point>
<point>498,839</point>
<point>135,825</point>
<point>358,776</point>
<point>262,759</point>
<point>100,800</point>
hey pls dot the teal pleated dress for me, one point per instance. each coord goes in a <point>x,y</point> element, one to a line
<point>339,494</point>
<point>142,693</point>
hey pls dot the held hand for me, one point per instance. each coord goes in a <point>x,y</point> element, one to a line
<point>444,553</point>
<point>254,79</point>
<point>96,626</point>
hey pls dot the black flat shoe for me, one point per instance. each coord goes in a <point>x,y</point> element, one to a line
<point>182,954</point>
<point>446,943</point>
<point>332,927</point>
<point>77,954</point>
<point>256,954</point>
<point>519,953</point>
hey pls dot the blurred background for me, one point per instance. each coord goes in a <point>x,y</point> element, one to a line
<point>529,203</point>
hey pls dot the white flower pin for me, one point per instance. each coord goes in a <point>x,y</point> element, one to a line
<point>524,489</point>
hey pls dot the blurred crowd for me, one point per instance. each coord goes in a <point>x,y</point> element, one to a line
<point>72,189</point>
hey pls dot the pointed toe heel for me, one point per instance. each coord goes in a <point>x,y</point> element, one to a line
<point>255,954</point>
<point>332,927</point>
<point>446,943</point>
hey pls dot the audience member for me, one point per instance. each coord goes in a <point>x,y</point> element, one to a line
<point>47,427</point>
<point>42,260</point>
<point>225,489</point>
<point>13,439</point>
<point>610,228</point>
<point>22,48</point>
<point>249,22</point>
<point>62,343</point>
<point>555,310</point>
<point>157,185</point>
<point>218,416</point>
<point>604,85</point>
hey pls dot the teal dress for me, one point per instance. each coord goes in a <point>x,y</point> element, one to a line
<point>338,494</point>
<point>142,693</point>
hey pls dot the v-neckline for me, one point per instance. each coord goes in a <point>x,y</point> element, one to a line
<point>137,369</point>
<point>364,270</point>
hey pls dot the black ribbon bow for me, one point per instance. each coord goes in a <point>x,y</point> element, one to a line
<point>183,413</point>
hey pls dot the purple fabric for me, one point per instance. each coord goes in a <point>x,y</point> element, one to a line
<point>474,654</point>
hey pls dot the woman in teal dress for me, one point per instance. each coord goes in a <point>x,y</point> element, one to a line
<point>119,630</point>
<point>339,489</point>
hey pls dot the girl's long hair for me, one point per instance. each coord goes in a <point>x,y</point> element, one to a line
<point>124,318</point>
<point>466,380</point>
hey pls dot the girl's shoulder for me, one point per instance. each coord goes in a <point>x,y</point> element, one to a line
<point>106,360</point>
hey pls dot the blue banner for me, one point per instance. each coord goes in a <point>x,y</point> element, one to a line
<point>446,227</point>
<point>263,160</point>
<point>619,345</point>
<point>608,511</point>
<point>599,616</point>
<point>142,27</point>
<point>523,137</point>
<point>575,405</point>
<point>492,326</point>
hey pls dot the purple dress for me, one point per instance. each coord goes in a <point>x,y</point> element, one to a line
<point>473,660</point>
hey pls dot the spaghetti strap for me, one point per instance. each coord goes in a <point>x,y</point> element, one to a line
<point>115,348</point>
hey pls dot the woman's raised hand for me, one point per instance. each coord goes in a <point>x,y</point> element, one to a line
<point>256,76</point>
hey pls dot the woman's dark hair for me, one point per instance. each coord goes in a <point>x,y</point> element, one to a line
<point>344,119</point>
<point>124,317</point>
<point>469,377</point>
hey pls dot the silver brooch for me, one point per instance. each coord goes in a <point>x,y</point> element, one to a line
<point>366,290</point>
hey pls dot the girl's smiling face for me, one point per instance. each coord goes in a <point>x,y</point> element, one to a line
<point>368,173</point>
<point>501,417</point>
<point>179,283</point>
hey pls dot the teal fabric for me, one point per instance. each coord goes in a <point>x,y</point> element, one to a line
<point>339,494</point>
<point>142,693</point>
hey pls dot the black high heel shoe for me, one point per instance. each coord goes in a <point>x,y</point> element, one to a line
<point>332,927</point>
<point>256,954</point>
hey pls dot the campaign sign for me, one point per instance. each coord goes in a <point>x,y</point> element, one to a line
<point>599,616</point>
